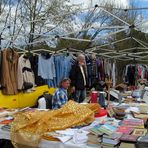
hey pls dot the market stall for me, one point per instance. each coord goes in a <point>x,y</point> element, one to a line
<point>75,97</point>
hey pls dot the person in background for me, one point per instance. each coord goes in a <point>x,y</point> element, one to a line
<point>60,97</point>
<point>78,76</point>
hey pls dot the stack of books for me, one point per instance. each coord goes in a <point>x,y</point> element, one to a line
<point>94,140</point>
<point>94,137</point>
<point>107,129</point>
<point>95,130</point>
<point>103,129</point>
<point>112,140</point>
<point>105,145</point>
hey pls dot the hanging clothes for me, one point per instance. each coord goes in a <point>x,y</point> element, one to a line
<point>25,73</point>
<point>108,68</point>
<point>39,81</point>
<point>9,72</point>
<point>89,69</point>
<point>130,74</point>
<point>146,72</point>
<point>114,74</point>
<point>52,83</point>
<point>92,70</point>
<point>94,67</point>
<point>63,66</point>
<point>58,64</point>
<point>46,66</point>
<point>101,72</point>
<point>67,66</point>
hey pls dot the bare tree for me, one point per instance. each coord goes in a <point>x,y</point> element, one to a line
<point>29,19</point>
<point>5,9</point>
<point>39,14</point>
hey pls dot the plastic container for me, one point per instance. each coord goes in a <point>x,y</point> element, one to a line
<point>102,114</point>
<point>94,96</point>
<point>101,100</point>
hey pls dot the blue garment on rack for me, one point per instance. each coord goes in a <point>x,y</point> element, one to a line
<point>89,70</point>
<point>52,83</point>
<point>63,66</point>
<point>59,70</point>
<point>46,67</point>
<point>67,66</point>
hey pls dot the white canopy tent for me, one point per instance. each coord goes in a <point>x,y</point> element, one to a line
<point>128,54</point>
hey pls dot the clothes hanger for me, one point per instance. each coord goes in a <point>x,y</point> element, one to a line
<point>27,55</point>
<point>46,54</point>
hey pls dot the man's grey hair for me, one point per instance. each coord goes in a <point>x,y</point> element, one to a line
<point>80,56</point>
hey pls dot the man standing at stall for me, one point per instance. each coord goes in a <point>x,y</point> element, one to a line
<point>78,76</point>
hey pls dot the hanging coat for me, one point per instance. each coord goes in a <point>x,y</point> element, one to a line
<point>9,72</point>
<point>25,73</point>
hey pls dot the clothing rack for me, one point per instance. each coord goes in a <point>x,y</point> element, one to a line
<point>133,72</point>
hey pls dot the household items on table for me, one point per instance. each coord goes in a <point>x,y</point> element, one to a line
<point>75,122</point>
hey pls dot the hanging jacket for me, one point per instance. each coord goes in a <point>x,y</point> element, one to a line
<point>25,73</point>
<point>9,72</point>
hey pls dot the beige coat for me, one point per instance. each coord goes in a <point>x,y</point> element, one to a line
<point>9,72</point>
<point>24,75</point>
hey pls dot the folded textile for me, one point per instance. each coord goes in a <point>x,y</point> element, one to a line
<point>29,126</point>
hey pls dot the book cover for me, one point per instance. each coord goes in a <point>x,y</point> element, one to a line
<point>110,141</point>
<point>125,129</point>
<point>95,130</point>
<point>139,132</point>
<point>115,135</point>
<point>106,145</point>
<point>92,137</point>
<point>127,145</point>
<point>133,123</point>
<point>107,129</point>
<point>110,112</point>
<point>129,138</point>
